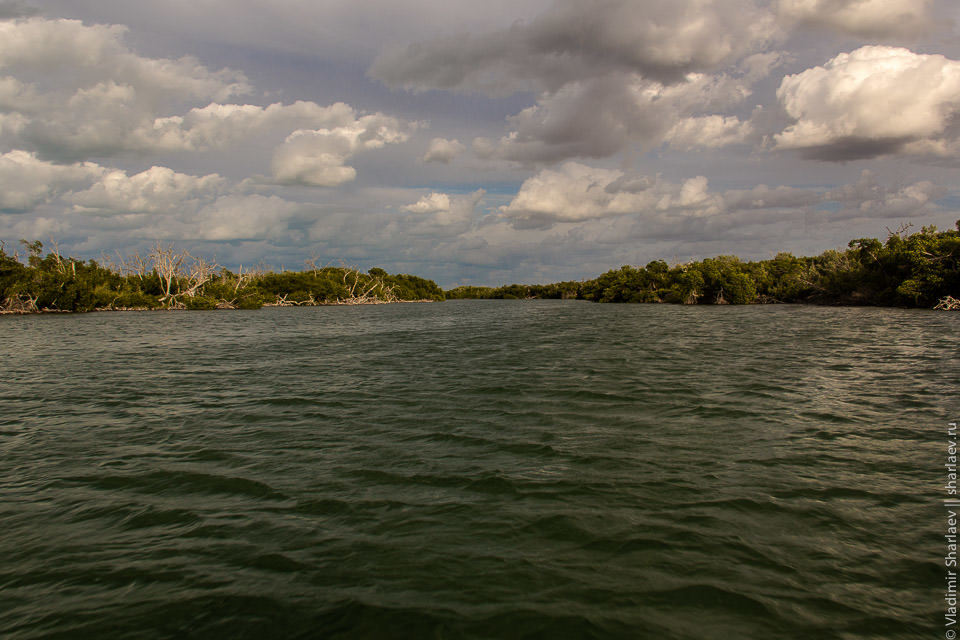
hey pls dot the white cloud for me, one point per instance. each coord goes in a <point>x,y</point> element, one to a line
<point>236,217</point>
<point>708,132</point>
<point>576,192</point>
<point>218,125</point>
<point>443,150</point>
<point>156,203</point>
<point>16,96</point>
<point>433,203</point>
<point>870,102</point>
<point>440,213</point>
<point>639,84</point>
<point>864,18</point>
<point>317,157</point>
<point>158,189</point>
<point>78,90</point>
<point>89,54</point>
<point>26,181</point>
<point>90,95</point>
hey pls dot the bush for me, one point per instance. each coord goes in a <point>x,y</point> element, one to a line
<point>199,303</point>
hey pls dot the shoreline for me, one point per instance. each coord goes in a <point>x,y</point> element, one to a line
<point>7,312</point>
<point>19,312</point>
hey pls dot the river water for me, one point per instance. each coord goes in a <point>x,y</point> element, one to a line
<point>476,469</point>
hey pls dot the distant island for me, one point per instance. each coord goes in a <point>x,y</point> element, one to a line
<point>920,269</point>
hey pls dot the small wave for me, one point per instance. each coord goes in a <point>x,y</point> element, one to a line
<point>170,482</point>
<point>708,596</point>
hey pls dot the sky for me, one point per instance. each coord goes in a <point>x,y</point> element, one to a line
<point>476,143</point>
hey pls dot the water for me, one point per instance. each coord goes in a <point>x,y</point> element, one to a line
<point>476,469</point>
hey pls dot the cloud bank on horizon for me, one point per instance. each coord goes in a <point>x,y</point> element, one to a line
<point>519,141</point>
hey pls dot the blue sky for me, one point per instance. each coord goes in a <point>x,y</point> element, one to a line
<point>476,143</point>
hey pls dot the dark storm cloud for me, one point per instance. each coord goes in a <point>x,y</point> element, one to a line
<point>598,118</point>
<point>660,39</point>
<point>853,148</point>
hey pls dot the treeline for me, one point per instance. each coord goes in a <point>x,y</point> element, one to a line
<point>169,279</point>
<point>919,269</point>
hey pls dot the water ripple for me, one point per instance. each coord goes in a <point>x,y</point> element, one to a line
<point>475,470</point>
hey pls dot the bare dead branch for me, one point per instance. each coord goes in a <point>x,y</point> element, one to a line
<point>948,303</point>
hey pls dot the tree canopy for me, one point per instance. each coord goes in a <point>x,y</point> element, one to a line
<point>168,279</point>
<point>907,270</point>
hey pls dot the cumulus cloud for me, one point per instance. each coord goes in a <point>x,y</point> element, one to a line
<point>27,181</point>
<point>90,54</point>
<point>433,203</point>
<point>242,217</point>
<point>863,18</point>
<point>156,203</point>
<point>11,124</point>
<point>600,78</point>
<point>707,132</point>
<point>443,150</point>
<point>600,117</point>
<point>609,74</point>
<point>218,125</point>
<point>441,213</point>
<point>575,40</point>
<point>317,157</point>
<point>78,90</point>
<point>869,198</point>
<point>158,189</point>
<point>577,193</point>
<point>873,101</point>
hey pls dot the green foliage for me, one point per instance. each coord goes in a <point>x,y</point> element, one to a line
<point>472,293</point>
<point>248,302</point>
<point>55,283</point>
<point>200,303</point>
<point>911,270</point>
<point>407,287</point>
<point>914,270</point>
<point>132,299</point>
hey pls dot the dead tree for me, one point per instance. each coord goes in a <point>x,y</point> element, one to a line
<point>902,232</point>
<point>313,264</point>
<point>167,264</point>
<point>948,303</point>
<point>373,291</point>
<point>201,272</point>
<point>55,252</point>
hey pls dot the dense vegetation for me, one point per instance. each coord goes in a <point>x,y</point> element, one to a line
<point>921,269</point>
<point>167,279</point>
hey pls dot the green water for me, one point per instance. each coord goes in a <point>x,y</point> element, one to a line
<point>476,469</point>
